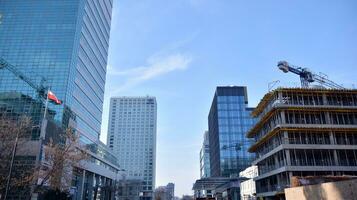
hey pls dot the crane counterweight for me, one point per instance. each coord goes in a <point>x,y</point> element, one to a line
<point>306,76</point>
<point>283,66</point>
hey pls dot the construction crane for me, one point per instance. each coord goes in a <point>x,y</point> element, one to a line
<point>306,76</point>
<point>40,89</point>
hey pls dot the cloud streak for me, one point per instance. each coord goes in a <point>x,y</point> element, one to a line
<point>155,66</point>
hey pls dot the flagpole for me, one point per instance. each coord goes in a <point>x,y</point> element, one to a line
<point>46,105</point>
<point>42,137</point>
<point>43,127</point>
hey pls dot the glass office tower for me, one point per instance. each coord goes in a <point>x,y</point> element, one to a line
<point>228,121</point>
<point>63,45</point>
<point>65,42</point>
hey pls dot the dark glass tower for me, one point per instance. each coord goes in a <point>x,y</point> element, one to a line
<point>228,122</point>
<point>66,42</point>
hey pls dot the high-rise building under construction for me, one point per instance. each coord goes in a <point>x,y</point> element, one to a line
<point>303,132</point>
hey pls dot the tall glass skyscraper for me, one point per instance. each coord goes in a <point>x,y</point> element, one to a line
<point>228,121</point>
<point>66,43</point>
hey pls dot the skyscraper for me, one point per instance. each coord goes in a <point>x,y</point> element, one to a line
<point>132,137</point>
<point>205,170</point>
<point>228,121</point>
<point>66,44</point>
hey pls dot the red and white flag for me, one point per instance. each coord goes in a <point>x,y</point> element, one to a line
<point>53,97</point>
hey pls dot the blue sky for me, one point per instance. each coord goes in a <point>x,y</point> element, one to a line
<point>180,50</point>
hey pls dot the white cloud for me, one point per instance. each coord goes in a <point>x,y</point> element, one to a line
<point>155,66</point>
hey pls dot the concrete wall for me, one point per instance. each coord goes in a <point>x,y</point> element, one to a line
<point>341,190</point>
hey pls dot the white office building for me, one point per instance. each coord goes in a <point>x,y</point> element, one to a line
<point>132,137</point>
<point>247,188</point>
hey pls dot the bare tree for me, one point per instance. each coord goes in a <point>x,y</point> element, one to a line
<point>61,157</point>
<point>13,133</point>
<point>54,172</point>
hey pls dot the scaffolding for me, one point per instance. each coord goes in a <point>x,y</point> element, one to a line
<point>304,132</point>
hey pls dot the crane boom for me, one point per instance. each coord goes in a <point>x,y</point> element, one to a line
<point>41,90</point>
<point>327,82</point>
<point>306,76</point>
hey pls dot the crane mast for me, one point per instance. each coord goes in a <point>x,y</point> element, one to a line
<point>41,90</point>
<point>306,76</point>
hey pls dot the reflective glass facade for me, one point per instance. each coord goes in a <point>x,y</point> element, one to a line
<point>66,43</point>
<point>205,170</point>
<point>228,121</point>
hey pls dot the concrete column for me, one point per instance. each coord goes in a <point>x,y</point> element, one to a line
<point>290,175</point>
<point>335,157</point>
<point>82,184</point>
<point>286,137</point>
<point>278,179</point>
<point>287,154</point>
<point>324,99</point>
<point>94,187</point>
<point>90,184</point>
<point>327,114</point>
<point>327,117</point>
<point>269,185</point>
<point>332,138</point>
<point>276,161</point>
<point>282,115</point>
